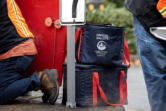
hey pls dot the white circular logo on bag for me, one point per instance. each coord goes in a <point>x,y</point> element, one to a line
<point>101,45</point>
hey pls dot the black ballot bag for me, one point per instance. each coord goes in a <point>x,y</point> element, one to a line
<point>102,59</point>
<point>100,44</point>
<point>98,85</point>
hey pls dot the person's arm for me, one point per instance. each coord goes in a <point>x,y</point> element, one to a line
<point>161,6</point>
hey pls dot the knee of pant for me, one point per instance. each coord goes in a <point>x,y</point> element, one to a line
<point>20,63</point>
<point>152,56</point>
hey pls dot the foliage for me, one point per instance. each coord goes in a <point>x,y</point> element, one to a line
<point>116,16</point>
<point>118,3</point>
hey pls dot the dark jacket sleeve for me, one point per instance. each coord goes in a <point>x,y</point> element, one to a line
<point>146,12</point>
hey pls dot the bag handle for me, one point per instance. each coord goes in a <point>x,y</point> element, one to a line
<point>77,35</point>
<point>123,90</point>
<point>126,56</point>
<point>123,87</point>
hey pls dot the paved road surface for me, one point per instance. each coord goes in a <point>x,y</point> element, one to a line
<point>137,95</point>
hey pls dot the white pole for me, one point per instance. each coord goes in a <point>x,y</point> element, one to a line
<point>71,67</point>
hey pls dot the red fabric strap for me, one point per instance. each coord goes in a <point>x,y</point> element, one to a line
<point>77,35</point>
<point>96,84</point>
<point>95,77</point>
<point>126,56</point>
<point>123,87</point>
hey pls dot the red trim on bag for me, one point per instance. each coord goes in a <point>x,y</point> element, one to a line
<point>123,87</point>
<point>123,94</point>
<point>94,89</point>
<point>80,45</point>
<point>78,34</point>
<point>95,80</point>
<point>126,56</point>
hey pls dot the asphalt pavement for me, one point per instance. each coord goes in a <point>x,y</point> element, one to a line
<point>137,94</point>
<point>137,98</point>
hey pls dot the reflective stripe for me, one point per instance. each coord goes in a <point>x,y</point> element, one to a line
<point>163,10</point>
<point>14,5</point>
<point>17,19</point>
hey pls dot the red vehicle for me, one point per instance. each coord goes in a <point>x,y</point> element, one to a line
<point>50,41</point>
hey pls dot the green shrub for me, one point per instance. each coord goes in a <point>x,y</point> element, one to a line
<point>118,3</point>
<point>117,17</point>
